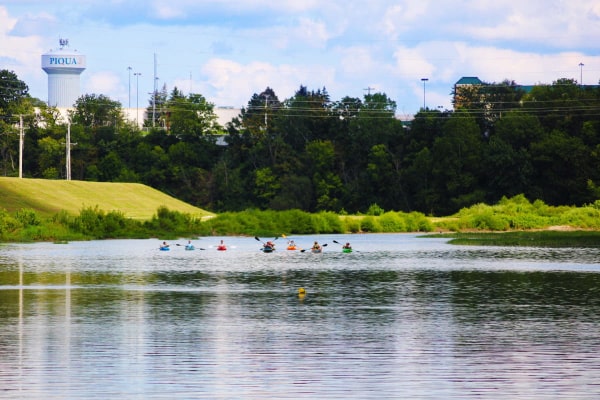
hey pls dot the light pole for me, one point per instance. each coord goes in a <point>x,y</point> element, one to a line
<point>129,87</point>
<point>137,97</point>
<point>580,74</point>
<point>424,80</point>
<point>266,100</point>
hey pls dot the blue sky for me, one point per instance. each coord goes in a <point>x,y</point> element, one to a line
<point>228,50</point>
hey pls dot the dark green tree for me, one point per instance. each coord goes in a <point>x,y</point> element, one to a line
<point>191,117</point>
<point>457,169</point>
<point>563,167</point>
<point>508,164</point>
<point>15,105</point>
<point>12,92</point>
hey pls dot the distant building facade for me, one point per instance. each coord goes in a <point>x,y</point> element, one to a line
<point>464,90</point>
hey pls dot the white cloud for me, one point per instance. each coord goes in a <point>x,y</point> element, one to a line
<point>312,32</point>
<point>35,24</point>
<point>232,84</point>
<point>548,23</point>
<point>357,61</point>
<point>103,83</point>
<point>18,50</point>
<point>22,54</point>
<point>412,63</point>
<point>401,17</point>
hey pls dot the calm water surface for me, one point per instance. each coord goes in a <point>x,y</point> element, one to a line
<point>401,317</point>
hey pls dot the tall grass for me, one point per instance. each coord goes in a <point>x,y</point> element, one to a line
<point>518,213</point>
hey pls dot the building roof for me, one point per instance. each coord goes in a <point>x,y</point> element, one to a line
<point>469,80</point>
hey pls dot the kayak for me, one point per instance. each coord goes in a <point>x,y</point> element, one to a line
<point>190,247</point>
<point>164,248</point>
<point>316,251</point>
<point>347,250</point>
<point>292,248</point>
<point>221,247</point>
<point>267,249</point>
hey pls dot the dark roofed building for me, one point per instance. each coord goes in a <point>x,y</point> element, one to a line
<point>468,80</point>
<point>464,90</point>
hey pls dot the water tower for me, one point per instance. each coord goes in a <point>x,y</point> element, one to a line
<point>63,67</point>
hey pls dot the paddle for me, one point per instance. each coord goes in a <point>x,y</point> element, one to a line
<point>256,237</point>
<point>195,248</point>
<point>303,250</point>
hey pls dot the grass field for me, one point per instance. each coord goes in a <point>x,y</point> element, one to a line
<point>47,197</point>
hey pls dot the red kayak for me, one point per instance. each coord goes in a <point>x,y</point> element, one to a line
<point>222,247</point>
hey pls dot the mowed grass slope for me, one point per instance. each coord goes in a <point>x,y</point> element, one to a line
<point>47,197</point>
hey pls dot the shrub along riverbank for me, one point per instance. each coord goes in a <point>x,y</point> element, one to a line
<point>517,218</point>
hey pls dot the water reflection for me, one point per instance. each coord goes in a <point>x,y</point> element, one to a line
<point>401,317</point>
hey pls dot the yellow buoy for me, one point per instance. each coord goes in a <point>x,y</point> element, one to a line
<point>301,293</point>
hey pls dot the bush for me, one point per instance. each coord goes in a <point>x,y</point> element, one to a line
<point>417,222</point>
<point>375,210</point>
<point>369,224</point>
<point>8,224</point>
<point>392,222</point>
<point>167,223</point>
<point>489,221</point>
<point>27,217</point>
<point>351,224</point>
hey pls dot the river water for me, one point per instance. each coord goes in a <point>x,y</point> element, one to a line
<point>401,317</point>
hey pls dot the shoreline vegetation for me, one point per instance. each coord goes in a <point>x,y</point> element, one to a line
<point>511,222</point>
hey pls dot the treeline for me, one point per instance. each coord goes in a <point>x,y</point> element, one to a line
<point>315,154</point>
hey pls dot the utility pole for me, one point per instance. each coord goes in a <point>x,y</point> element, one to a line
<point>21,137</point>
<point>154,94</point>
<point>68,160</point>
<point>129,87</point>
<point>266,100</point>
<point>368,89</point>
<point>137,98</point>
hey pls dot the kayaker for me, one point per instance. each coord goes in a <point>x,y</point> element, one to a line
<point>165,245</point>
<point>316,246</point>
<point>270,244</point>
<point>291,243</point>
<point>347,246</point>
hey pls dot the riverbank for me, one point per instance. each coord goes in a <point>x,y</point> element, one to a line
<point>535,238</point>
